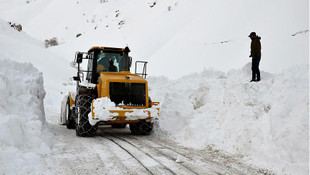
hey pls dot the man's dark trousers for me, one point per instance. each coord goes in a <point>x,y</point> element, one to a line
<point>255,69</point>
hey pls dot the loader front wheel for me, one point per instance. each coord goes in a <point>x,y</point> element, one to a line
<point>69,116</point>
<point>141,128</point>
<point>83,107</point>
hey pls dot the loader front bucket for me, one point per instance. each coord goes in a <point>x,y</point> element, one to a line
<point>108,114</point>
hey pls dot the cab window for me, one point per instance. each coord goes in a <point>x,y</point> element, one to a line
<point>109,62</point>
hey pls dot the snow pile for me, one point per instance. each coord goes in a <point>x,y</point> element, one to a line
<point>267,122</point>
<point>22,123</point>
<point>20,47</point>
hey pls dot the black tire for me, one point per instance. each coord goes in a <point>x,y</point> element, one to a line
<point>70,123</point>
<point>141,128</point>
<point>83,107</point>
<point>118,125</point>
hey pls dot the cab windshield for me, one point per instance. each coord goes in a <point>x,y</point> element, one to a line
<point>110,62</point>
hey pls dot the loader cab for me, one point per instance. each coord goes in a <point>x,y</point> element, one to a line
<point>106,59</point>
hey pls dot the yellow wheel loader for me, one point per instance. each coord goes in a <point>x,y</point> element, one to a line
<point>108,94</point>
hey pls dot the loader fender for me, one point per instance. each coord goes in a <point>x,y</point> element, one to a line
<point>62,120</point>
<point>72,99</point>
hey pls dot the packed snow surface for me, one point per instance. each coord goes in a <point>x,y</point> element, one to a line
<point>267,122</point>
<point>22,124</point>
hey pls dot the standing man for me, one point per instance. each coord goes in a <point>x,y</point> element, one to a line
<point>256,56</point>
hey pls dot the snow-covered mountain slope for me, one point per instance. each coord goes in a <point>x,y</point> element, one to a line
<point>177,37</point>
<point>267,122</point>
<point>23,131</point>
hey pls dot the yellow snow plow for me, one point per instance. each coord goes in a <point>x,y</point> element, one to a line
<point>108,93</point>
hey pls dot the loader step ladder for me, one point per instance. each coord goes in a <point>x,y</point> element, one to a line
<point>140,71</point>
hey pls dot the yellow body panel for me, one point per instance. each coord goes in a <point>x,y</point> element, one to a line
<point>118,116</point>
<point>103,48</point>
<point>122,77</point>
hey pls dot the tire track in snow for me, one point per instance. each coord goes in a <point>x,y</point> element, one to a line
<point>224,163</point>
<point>94,155</point>
<point>152,165</point>
<point>171,171</point>
<point>116,163</point>
<point>104,153</point>
<point>149,171</point>
<point>172,160</point>
<point>201,164</point>
<point>131,163</point>
<point>116,151</point>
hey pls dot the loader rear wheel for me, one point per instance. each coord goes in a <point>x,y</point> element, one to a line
<point>70,123</point>
<point>82,126</point>
<point>118,125</point>
<point>141,128</point>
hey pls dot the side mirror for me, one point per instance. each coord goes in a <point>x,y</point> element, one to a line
<point>79,57</point>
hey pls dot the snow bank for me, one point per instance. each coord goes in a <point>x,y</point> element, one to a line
<point>22,119</point>
<point>267,122</point>
<point>20,47</point>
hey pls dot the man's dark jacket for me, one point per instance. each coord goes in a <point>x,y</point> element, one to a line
<point>256,47</point>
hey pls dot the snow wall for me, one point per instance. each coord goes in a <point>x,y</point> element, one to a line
<point>22,124</point>
<point>266,123</point>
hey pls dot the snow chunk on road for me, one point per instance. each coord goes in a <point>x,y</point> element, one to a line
<point>22,123</point>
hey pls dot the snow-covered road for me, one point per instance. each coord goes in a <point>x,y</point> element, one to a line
<point>116,151</point>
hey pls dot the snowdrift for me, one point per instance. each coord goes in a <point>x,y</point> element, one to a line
<point>22,123</point>
<point>267,122</point>
<point>20,47</point>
